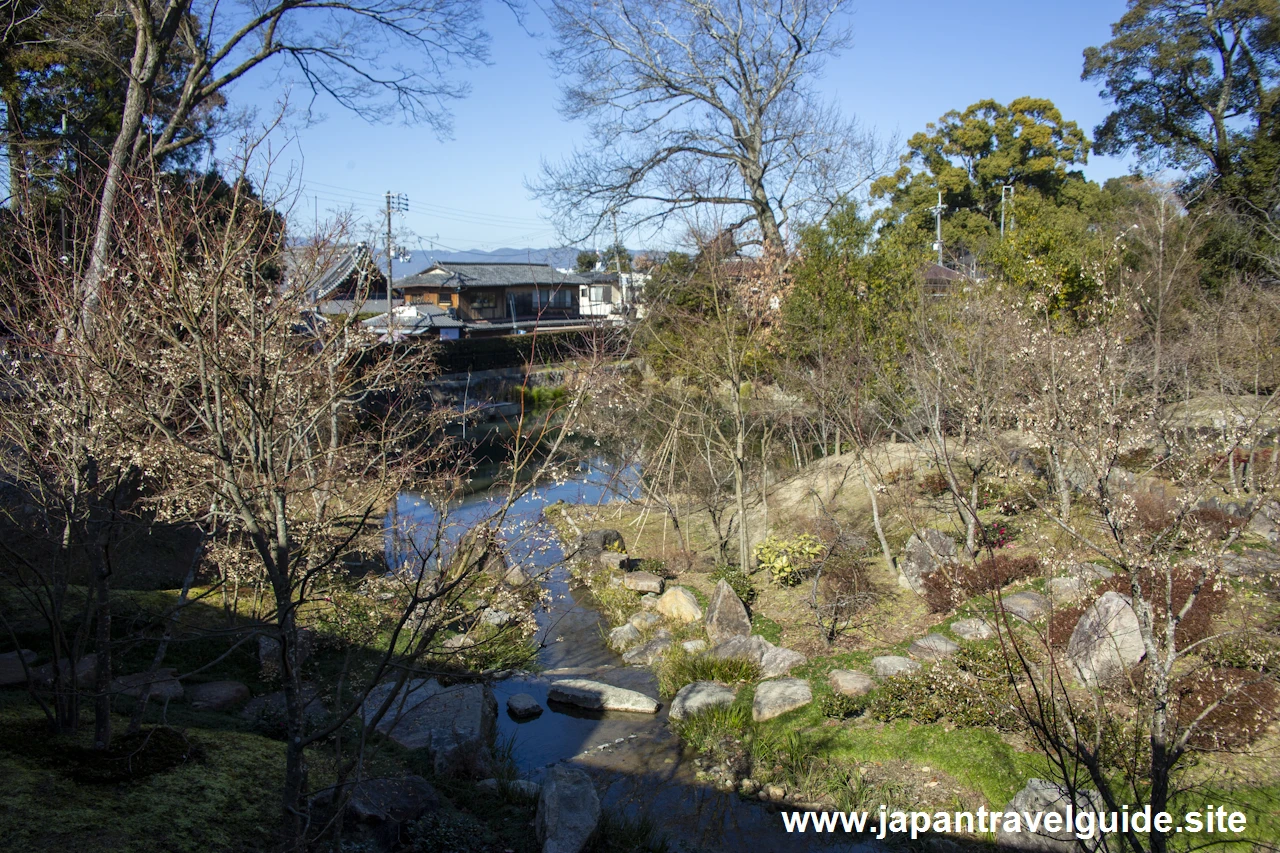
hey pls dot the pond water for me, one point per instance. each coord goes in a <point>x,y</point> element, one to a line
<point>635,760</point>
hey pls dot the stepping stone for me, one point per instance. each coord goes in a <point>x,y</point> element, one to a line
<point>642,582</point>
<point>847,682</point>
<point>933,647</point>
<point>1027,606</point>
<point>522,706</point>
<point>614,560</point>
<point>887,666</point>
<point>595,696</point>
<point>775,698</point>
<point>973,629</point>
<point>700,696</point>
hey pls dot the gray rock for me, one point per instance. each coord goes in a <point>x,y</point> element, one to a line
<point>568,811</point>
<point>973,629</point>
<point>11,671</point>
<point>649,601</point>
<point>700,696</point>
<point>694,647</point>
<point>83,673</point>
<point>780,661</point>
<point>726,615</point>
<point>522,706</point>
<point>645,619</point>
<point>165,686</point>
<point>217,695</point>
<point>615,560</point>
<point>392,800</point>
<point>593,543</point>
<point>456,725</point>
<point>1252,562</point>
<point>933,647</point>
<point>679,604</point>
<point>496,618</point>
<point>1091,572</point>
<point>649,652</point>
<point>1106,641</point>
<point>847,682</point>
<point>752,648</point>
<point>926,552</point>
<point>1266,523</point>
<point>624,637</point>
<point>775,698</point>
<point>1027,606</point>
<point>595,696</point>
<point>1044,797</point>
<point>489,786</point>
<point>642,582</point>
<point>515,575</point>
<point>1068,589</point>
<point>887,666</point>
<point>524,788</point>
<point>269,708</point>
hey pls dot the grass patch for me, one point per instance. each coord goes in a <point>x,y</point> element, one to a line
<point>767,628</point>
<point>677,668</point>
<point>620,833</point>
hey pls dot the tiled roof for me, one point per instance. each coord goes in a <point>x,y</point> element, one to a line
<point>489,275</point>
<point>324,275</point>
<point>414,320</point>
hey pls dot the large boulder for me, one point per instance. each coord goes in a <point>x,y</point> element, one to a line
<point>11,669</point>
<point>933,647</point>
<point>678,603</point>
<point>848,682</point>
<point>456,725</point>
<point>392,800</point>
<point>84,672</point>
<point>624,637</point>
<point>752,648</point>
<point>700,696</point>
<point>780,661</point>
<point>615,560</point>
<point>926,552</point>
<point>165,686</point>
<point>1106,641</point>
<point>650,651</point>
<point>1068,589</point>
<point>1027,606</point>
<point>593,543</point>
<point>726,615</point>
<point>775,698</point>
<point>596,696</point>
<point>568,810</point>
<point>217,695</point>
<point>973,629</point>
<point>642,582</point>
<point>887,666</point>
<point>1041,798</point>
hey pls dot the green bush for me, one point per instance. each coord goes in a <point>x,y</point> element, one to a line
<point>789,561</point>
<point>840,707</point>
<point>737,578</point>
<point>946,690</point>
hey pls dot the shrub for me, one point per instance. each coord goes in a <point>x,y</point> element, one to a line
<point>1248,705</point>
<point>905,697</point>
<point>946,690</point>
<point>840,707</point>
<point>935,484</point>
<point>737,578</point>
<point>1251,650</point>
<point>951,585</point>
<point>997,534</point>
<point>789,561</point>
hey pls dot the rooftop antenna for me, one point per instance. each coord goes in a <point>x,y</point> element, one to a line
<point>937,219</point>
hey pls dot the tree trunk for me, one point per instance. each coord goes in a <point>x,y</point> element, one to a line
<point>875,520</point>
<point>102,663</point>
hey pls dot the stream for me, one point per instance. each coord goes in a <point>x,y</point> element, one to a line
<point>634,760</point>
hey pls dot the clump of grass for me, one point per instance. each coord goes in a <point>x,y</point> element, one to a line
<point>621,833</point>
<point>704,730</point>
<point>617,603</point>
<point>738,579</point>
<point>677,668</point>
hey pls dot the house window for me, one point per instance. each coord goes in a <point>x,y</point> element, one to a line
<point>446,300</point>
<point>482,300</point>
<point>601,293</point>
<point>561,298</point>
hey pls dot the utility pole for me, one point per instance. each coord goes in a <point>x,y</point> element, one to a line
<point>937,219</point>
<point>398,202</point>
<point>1006,191</point>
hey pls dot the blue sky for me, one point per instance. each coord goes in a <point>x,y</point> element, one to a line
<point>910,62</point>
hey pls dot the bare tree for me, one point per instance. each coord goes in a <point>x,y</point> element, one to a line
<point>694,105</point>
